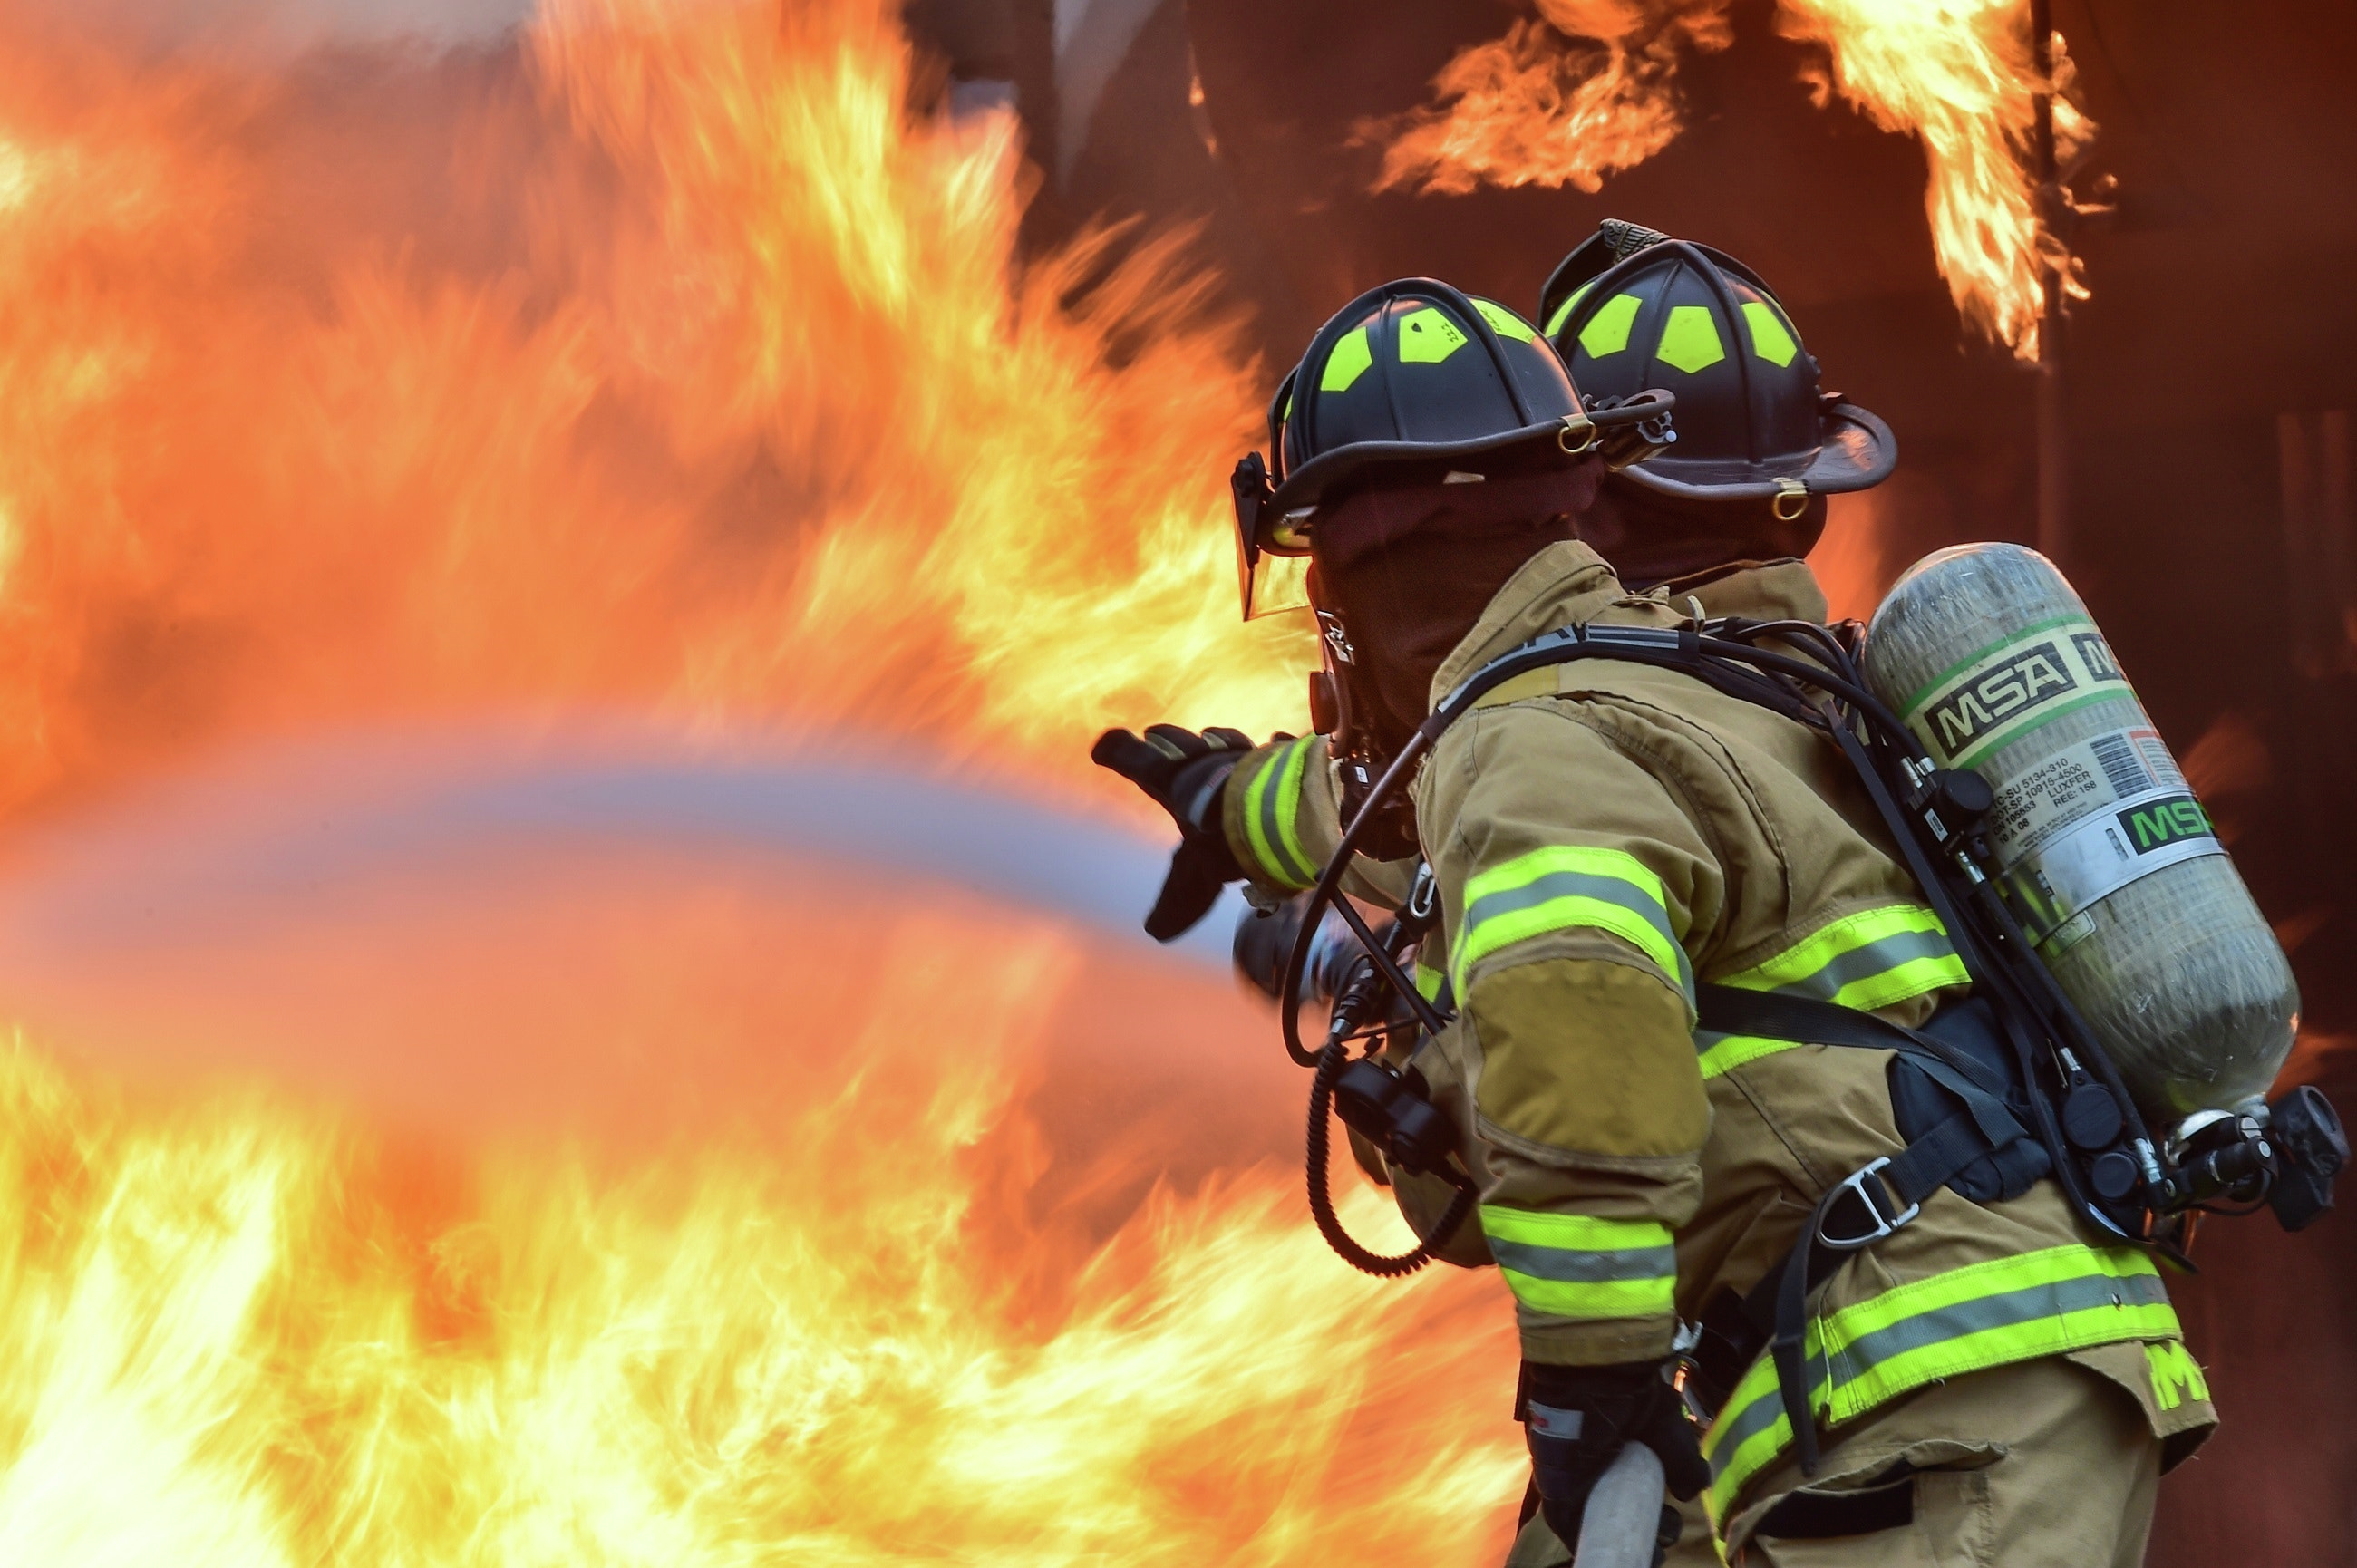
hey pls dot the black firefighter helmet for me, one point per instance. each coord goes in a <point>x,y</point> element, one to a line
<point>1630,309</point>
<point>1412,380</point>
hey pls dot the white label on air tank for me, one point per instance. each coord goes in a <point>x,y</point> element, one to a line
<point>2097,857</point>
<point>2086,776</point>
<point>2013,686</point>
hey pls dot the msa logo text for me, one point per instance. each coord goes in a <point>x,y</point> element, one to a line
<point>2035,675</point>
<point>2095,656</point>
<point>2157,823</point>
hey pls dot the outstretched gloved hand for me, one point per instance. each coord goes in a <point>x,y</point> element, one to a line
<point>1186,774</point>
<point>1576,1419</point>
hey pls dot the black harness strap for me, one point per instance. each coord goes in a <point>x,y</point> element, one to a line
<point>1724,1010</point>
<point>1856,1212</point>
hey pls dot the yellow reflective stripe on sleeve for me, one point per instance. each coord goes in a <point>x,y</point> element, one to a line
<point>1428,981</point>
<point>1716,1054</point>
<point>1989,1314</point>
<point>1272,806</point>
<point>1573,1265</point>
<point>1865,960</point>
<point>1567,886</point>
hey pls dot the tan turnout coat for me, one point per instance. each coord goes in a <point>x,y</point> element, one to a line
<point>1605,834</point>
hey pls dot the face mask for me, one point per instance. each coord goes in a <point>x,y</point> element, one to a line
<point>1408,571</point>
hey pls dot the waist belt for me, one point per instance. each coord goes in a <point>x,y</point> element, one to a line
<point>1865,1206</point>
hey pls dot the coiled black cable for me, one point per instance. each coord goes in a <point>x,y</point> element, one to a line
<point>1331,1063</point>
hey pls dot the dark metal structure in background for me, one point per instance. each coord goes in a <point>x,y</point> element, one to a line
<point>2053,412</point>
<point>2193,470</point>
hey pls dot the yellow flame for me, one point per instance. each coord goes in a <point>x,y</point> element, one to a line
<point>234,1333</point>
<point>1536,108</point>
<point>753,411</point>
<point>1959,75</point>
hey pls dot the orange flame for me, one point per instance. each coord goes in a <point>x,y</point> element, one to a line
<point>1532,109</point>
<point>671,366</point>
<point>1852,559</point>
<point>2230,759</point>
<point>238,1333</point>
<point>1960,76</point>
<point>666,365</point>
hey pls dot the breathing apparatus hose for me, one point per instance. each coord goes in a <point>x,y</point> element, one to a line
<point>2021,987</point>
<point>1545,651</point>
<point>2027,985</point>
<point>1297,966</point>
<point>1331,1063</point>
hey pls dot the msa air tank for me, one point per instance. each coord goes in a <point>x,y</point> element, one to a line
<point>2103,852</point>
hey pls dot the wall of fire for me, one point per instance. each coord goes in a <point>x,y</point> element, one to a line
<point>2210,379</point>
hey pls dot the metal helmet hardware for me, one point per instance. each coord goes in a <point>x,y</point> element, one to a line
<point>1632,308</point>
<point>1419,379</point>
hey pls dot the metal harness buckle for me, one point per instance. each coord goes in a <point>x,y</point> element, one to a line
<point>1883,1226</point>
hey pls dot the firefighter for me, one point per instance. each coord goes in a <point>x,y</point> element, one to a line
<point>1987,1381</point>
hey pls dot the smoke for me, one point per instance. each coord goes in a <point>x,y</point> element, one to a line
<point>291,25</point>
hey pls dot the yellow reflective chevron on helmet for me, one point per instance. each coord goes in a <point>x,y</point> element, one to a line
<point>1563,312</point>
<point>1428,337</point>
<point>1506,322</point>
<point>1347,363</point>
<point>1690,342</point>
<point>1607,331</point>
<point>1770,338</point>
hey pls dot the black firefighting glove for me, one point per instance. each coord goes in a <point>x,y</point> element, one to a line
<point>1577,1419</point>
<point>1187,775</point>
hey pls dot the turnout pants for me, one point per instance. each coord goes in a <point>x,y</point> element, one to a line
<point>2045,1464</point>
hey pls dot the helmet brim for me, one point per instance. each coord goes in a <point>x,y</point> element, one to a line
<point>1310,484</point>
<point>1857,454</point>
